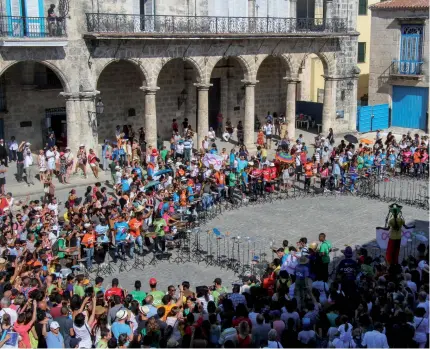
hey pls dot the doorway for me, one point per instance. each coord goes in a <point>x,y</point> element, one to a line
<point>56,121</point>
<point>214,101</point>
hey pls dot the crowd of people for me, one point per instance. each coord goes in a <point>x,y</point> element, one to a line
<point>368,303</point>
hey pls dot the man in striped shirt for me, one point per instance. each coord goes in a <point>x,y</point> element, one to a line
<point>188,146</point>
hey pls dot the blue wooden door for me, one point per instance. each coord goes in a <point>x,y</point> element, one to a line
<point>380,116</point>
<point>373,117</point>
<point>410,106</point>
<point>364,115</point>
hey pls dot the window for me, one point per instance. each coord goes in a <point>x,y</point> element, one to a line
<point>361,56</point>
<point>362,7</point>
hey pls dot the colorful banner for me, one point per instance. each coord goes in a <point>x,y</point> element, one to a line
<point>212,159</point>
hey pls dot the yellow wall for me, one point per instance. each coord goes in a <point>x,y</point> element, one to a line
<point>317,81</point>
<point>363,27</point>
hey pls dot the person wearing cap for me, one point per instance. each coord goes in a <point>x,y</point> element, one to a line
<point>54,339</point>
<point>157,295</point>
<point>82,159</point>
<point>348,269</point>
<point>120,326</point>
<point>301,273</point>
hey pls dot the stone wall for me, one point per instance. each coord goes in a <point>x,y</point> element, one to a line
<point>271,89</point>
<point>27,103</point>
<point>119,89</point>
<point>385,47</point>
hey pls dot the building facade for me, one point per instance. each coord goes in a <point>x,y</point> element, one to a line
<point>154,61</point>
<point>399,61</point>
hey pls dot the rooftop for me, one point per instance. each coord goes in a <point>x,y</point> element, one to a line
<point>401,5</point>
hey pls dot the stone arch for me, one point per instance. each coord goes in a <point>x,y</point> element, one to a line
<point>119,86</point>
<point>245,65</point>
<point>192,61</point>
<point>328,63</point>
<point>139,65</point>
<point>60,74</point>
<point>271,89</point>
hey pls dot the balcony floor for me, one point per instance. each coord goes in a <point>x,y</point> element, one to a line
<point>146,35</point>
<point>33,42</point>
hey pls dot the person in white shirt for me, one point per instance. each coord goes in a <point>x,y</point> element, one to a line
<point>5,305</point>
<point>423,302</point>
<point>211,134</point>
<point>421,324</point>
<point>268,132</point>
<point>13,147</point>
<point>375,338</point>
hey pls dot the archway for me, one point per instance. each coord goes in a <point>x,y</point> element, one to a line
<point>29,104</point>
<point>310,90</point>
<point>227,93</point>
<point>177,97</point>
<point>271,89</point>
<point>119,84</point>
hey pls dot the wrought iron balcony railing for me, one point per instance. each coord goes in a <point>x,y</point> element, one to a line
<point>405,67</point>
<point>32,27</point>
<point>134,24</point>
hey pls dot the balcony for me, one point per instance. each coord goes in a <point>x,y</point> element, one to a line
<point>32,31</point>
<point>406,69</point>
<point>118,25</point>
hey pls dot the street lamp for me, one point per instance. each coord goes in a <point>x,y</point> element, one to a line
<point>92,115</point>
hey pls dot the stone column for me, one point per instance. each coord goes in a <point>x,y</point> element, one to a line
<point>329,9</point>
<point>329,109</point>
<point>352,122</point>
<point>203,113</point>
<point>291,107</point>
<point>81,119</point>
<point>248,127</point>
<point>293,8</point>
<point>251,8</point>
<point>150,116</point>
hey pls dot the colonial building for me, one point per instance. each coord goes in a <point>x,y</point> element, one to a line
<point>157,60</point>
<point>399,61</point>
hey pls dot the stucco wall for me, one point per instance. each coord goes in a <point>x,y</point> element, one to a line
<point>385,47</point>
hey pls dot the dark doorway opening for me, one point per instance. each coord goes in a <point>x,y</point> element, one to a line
<point>214,101</point>
<point>56,121</point>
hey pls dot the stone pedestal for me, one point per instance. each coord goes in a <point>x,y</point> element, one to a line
<point>291,107</point>
<point>150,116</point>
<point>203,113</point>
<point>81,119</point>
<point>248,127</point>
<point>329,108</point>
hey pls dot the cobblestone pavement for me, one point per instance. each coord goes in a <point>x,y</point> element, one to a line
<point>345,220</point>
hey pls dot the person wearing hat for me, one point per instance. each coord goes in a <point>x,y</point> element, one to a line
<point>82,160</point>
<point>120,326</point>
<point>348,269</point>
<point>54,339</point>
<point>301,272</point>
